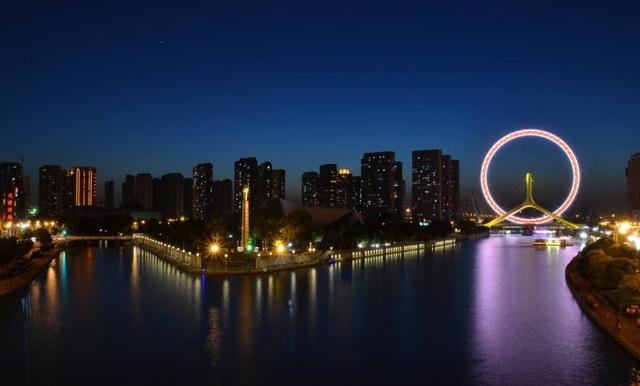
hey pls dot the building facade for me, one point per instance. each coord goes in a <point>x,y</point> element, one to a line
<point>245,173</point>
<point>633,184</point>
<point>227,196</point>
<point>26,194</point>
<point>202,190</point>
<point>278,184</point>
<point>128,191</point>
<point>143,191</point>
<point>357,199</point>
<point>328,185</point>
<point>264,183</point>
<point>51,192</point>
<point>399,188</point>
<point>108,194</point>
<point>172,192</point>
<point>378,172</point>
<point>310,187</point>
<point>344,189</point>
<point>187,197</point>
<point>435,186</point>
<point>81,186</point>
<point>12,204</point>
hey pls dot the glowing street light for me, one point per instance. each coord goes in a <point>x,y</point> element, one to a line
<point>214,248</point>
<point>624,227</point>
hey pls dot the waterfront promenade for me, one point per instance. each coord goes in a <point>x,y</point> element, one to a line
<point>624,330</point>
<point>238,263</point>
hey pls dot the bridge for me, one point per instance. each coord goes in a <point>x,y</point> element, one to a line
<point>98,238</point>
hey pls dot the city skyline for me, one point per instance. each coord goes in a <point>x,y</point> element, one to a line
<point>241,192</point>
<point>294,183</point>
<point>172,92</point>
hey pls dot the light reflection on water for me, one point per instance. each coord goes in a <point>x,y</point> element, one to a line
<point>493,311</point>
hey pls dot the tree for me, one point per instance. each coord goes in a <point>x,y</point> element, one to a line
<point>630,281</point>
<point>296,226</point>
<point>43,236</point>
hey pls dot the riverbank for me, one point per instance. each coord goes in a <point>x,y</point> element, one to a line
<point>624,330</point>
<point>11,284</point>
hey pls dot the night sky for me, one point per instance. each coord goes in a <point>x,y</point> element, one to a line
<point>158,86</point>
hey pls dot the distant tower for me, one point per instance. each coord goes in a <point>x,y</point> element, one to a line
<point>245,219</point>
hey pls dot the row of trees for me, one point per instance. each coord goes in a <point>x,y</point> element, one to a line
<point>12,248</point>
<point>609,266</point>
<point>267,227</point>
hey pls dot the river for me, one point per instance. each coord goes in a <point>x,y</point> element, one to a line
<point>494,311</point>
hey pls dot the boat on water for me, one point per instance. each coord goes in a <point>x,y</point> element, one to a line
<point>551,242</point>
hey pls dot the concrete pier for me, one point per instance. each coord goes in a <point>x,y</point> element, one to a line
<point>187,261</point>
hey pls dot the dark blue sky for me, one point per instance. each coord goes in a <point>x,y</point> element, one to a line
<point>139,86</point>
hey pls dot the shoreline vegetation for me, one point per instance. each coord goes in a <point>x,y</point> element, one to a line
<point>604,279</point>
<point>36,259</point>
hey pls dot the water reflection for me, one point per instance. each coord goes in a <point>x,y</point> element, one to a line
<point>522,311</point>
<point>489,312</point>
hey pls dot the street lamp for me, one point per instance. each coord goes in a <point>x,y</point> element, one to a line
<point>623,228</point>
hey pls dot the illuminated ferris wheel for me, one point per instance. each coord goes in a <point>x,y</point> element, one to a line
<point>529,202</point>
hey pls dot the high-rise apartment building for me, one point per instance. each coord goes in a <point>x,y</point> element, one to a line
<point>264,183</point>
<point>633,183</point>
<point>11,191</point>
<point>81,186</point>
<point>278,183</point>
<point>435,186</point>
<point>378,172</point>
<point>344,189</point>
<point>399,187</point>
<point>158,200</point>
<point>187,197</point>
<point>26,189</point>
<point>357,199</point>
<point>310,189</point>
<point>51,192</point>
<point>128,191</point>
<point>245,174</point>
<point>143,191</point>
<point>172,192</point>
<point>203,196</point>
<point>328,185</point>
<point>227,196</point>
<point>109,187</point>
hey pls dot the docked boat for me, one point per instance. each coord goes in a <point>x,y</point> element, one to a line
<point>551,242</point>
